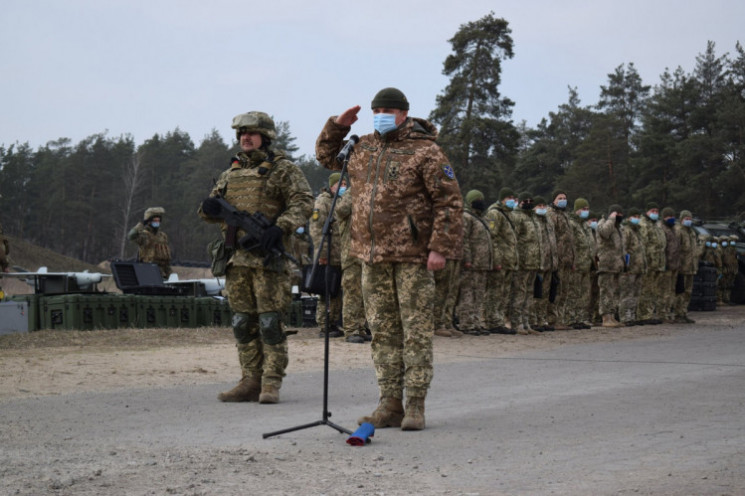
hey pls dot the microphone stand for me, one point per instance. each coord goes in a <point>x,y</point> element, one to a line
<point>327,233</point>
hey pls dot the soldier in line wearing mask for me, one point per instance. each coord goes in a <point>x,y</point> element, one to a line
<point>559,219</point>
<point>672,264</point>
<point>635,266</point>
<point>321,210</point>
<point>689,257</point>
<point>729,267</point>
<point>407,222</point>
<point>260,179</point>
<point>549,264</point>
<point>478,256</point>
<point>653,238</point>
<point>578,286</point>
<point>529,262</point>
<point>152,241</point>
<point>592,223</point>
<point>610,264</point>
<point>499,279</point>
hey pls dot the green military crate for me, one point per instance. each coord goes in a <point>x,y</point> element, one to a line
<point>121,311</point>
<point>152,311</point>
<point>32,303</point>
<point>222,315</point>
<point>203,311</point>
<point>71,312</point>
<point>186,315</point>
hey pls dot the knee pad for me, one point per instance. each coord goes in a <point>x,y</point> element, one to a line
<point>271,328</point>
<point>244,327</point>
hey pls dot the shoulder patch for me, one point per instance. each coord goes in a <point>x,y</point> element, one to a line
<point>315,214</point>
<point>449,172</point>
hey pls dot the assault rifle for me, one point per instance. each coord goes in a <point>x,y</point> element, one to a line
<point>253,225</point>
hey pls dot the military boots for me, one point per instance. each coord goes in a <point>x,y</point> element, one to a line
<point>414,418</point>
<point>389,413</point>
<point>247,390</point>
<point>269,394</point>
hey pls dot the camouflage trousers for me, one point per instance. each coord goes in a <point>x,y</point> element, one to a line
<point>594,296</point>
<point>471,301</point>
<point>257,299</point>
<point>682,300</point>
<point>539,310</point>
<point>630,288</point>
<point>579,291</point>
<point>446,294</point>
<point>724,287</point>
<point>669,278</point>
<point>335,305</point>
<point>557,310</point>
<point>609,293</point>
<point>399,305</point>
<point>522,297</point>
<point>498,286</point>
<point>353,311</point>
<point>650,299</point>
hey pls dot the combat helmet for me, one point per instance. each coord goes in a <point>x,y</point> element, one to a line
<point>254,122</point>
<point>154,212</point>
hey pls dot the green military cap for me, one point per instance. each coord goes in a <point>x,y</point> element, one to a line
<point>525,195</point>
<point>580,203</point>
<point>615,208</point>
<point>685,213</point>
<point>390,98</point>
<point>558,192</point>
<point>651,205</point>
<point>472,195</point>
<point>539,200</point>
<point>667,212</point>
<point>334,178</point>
<point>505,192</point>
<point>633,211</point>
<point>154,212</point>
<point>593,215</point>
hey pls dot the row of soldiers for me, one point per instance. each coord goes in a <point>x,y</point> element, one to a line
<point>532,265</point>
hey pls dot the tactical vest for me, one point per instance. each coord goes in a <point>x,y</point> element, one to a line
<point>249,188</point>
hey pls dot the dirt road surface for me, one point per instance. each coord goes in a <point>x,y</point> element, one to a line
<point>634,411</point>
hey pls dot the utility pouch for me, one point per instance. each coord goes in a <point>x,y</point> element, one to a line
<point>219,255</point>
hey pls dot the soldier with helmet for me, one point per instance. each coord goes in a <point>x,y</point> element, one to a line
<point>260,179</point>
<point>730,266</point>
<point>152,241</point>
<point>689,257</point>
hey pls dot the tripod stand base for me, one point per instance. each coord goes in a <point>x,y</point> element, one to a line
<point>307,426</point>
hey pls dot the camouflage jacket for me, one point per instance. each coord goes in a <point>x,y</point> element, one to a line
<point>584,244</point>
<point>549,255</point>
<point>343,217</point>
<point>654,244</point>
<point>406,198</point>
<point>503,237</point>
<point>321,211</point>
<point>714,257</point>
<point>153,244</point>
<point>610,247</point>
<point>729,260</point>
<point>272,185</point>
<point>478,251</point>
<point>634,248</point>
<point>528,239</point>
<point>564,242</point>
<point>689,249</point>
<point>672,248</point>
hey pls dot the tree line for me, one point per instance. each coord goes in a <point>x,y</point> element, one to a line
<point>680,143</point>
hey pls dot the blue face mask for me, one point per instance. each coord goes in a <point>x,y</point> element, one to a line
<point>670,222</point>
<point>342,190</point>
<point>635,220</point>
<point>561,204</point>
<point>714,245</point>
<point>384,123</point>
<point>724,244</point>
<point>155,225</point>
<point>540,211</point>
<point>510,203</point>
<point>708,244</point>
<point>594,224</point>
<point>583,214</point>
<point>687,222</point>
<point>654,217</point>
<point>300,230</point>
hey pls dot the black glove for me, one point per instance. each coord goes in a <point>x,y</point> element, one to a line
<point>271,239</point>
<point>211,207</point>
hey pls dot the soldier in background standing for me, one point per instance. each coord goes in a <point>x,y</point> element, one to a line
<point>529,248</point>
<point>406,222</point>
<point>635,266</point>
<point>152,241</point>
<point>549,264</point>
<point>321,211</point>
<point>672,264</point>
<point>730,267</point>
<point>610,264</point>
<point>653,239</point>
<point>352,308</point>
<point>579,284</point>
<point>446,297</point>
<point>260,179</point>
<point>689,257</point>
<point>478,259</point>
<point>499,279</point>
<point>559,218</point>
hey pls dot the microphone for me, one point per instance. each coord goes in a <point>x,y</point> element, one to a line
<point>348,148</point>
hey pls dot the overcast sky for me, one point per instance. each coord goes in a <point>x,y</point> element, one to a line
<point>73,68</point>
